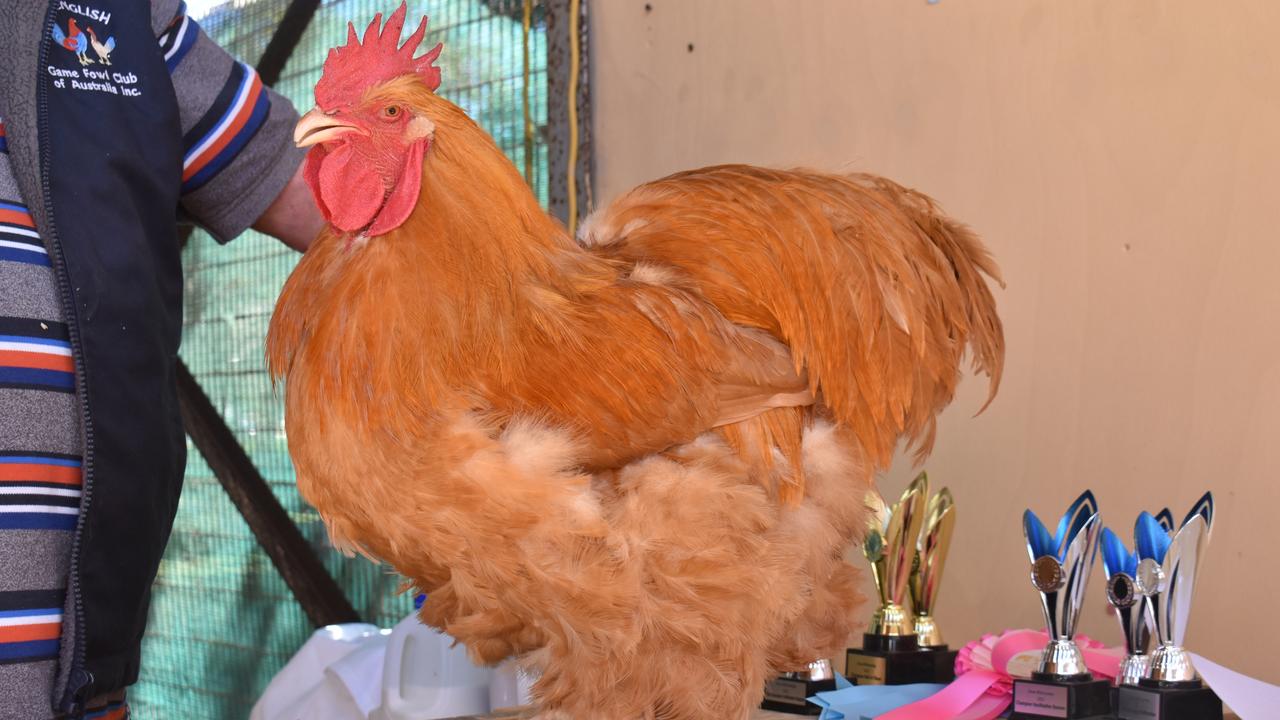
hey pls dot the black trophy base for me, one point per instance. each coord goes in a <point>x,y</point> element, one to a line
<point>790,695</point>
<point>1046,697</point>
<point>886,660</point>
<point>944,664</point>
<point>1155,702</point>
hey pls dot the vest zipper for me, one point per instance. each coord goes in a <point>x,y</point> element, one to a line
<point>78,678</point>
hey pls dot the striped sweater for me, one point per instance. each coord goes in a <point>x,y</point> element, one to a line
<point>237,156</point>
<point>39,460</point>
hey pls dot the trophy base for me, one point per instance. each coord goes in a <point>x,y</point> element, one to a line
<point>1149,701</point>
<point>898,661</point>
<point>791,694</point>
<point>944,663</point>
<point>1043,697</point>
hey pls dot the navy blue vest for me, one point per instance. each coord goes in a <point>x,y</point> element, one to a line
<point>111,154</point>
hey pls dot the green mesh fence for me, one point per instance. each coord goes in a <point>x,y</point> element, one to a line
<point>222,620</point>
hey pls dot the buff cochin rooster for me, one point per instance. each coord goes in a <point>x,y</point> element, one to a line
<point>633,460</point>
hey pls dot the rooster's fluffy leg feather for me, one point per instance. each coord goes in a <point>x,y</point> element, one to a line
<point>675,594</point>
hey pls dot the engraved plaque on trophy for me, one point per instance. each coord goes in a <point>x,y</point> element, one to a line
<point>1170,688</point>
<point>790,691</point>
<point>1061,686</point>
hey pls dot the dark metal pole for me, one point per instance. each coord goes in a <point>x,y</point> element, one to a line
<point>287,35</point>
<point>316,590</point>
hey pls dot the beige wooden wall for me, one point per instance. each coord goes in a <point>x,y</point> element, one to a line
<point>1122,160</point>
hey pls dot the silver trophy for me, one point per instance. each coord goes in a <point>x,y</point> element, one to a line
<point>1129,605</point>
<point>1166,576</point>
<point>1060,567</point>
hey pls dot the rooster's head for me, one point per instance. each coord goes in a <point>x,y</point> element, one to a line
<point>371,127</point>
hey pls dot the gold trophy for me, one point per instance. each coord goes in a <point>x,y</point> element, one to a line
<point>890,652</point>
<point>926,575</point>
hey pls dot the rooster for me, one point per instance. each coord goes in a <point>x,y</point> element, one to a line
<point>634,459</point>
<point>73,40</point>
<point>100,48</point>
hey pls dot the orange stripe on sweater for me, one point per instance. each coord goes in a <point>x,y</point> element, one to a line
<point>32,472</point>
<point>246,111</point>
<point>116,714</point>
<point>34,360</point>
<point>28,633</point>
<point>17,217</point>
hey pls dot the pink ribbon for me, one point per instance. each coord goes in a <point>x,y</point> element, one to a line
<point>966,697</point>
<point>983,687</point>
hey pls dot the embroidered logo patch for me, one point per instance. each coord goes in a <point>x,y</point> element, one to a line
<point>84,32</point>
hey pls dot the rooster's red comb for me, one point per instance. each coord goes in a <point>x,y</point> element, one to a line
<point>363,62</point>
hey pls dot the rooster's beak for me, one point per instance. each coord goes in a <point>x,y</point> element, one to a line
<point>317,127</point>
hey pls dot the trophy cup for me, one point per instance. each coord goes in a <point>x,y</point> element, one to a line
<point>790,692</point>
<point>926,574</point>
<point>890,653</point>
<point>1061,686</point>
<point>1129,605</point>
<point>1166,576</point>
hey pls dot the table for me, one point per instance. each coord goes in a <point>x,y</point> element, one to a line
<point>758,715</point>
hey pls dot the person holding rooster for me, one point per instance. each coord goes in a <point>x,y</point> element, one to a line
<point>117,119</point>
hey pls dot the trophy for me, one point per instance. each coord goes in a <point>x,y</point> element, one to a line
<point>1061,686</point>
<point>1166,576</point>
<point>890,653</point>
<point>926,574</point>
<point>1129,605</point>
<point>790,692</point>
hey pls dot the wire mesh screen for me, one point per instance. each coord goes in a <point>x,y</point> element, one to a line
<point>222,620</point>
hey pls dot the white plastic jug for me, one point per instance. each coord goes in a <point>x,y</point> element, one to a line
<point>335,675</point>
<point>510,687</point>
<point>424,677</point>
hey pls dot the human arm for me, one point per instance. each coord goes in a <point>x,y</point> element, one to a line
<point>240,166</point>
<point>293,217</point>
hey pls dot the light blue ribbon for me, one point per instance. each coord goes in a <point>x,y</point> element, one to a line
<point>865,702</point>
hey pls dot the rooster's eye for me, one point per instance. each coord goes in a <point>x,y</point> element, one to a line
<point>391,112</point>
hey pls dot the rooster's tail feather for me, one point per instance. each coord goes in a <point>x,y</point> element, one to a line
<point>876,292</point>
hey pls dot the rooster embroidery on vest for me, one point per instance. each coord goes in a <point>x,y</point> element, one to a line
<point>74,40</point>
<point>101,49</point>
